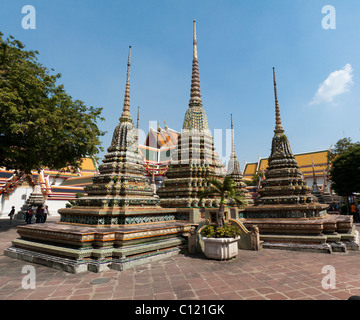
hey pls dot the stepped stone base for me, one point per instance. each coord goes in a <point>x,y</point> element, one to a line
<point>77,248</point>
<point>57,261</point>
<point>330,233</point>
<point>311,226</point>
<point>285,211</point>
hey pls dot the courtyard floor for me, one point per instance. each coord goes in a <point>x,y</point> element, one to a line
<point>263,275</point>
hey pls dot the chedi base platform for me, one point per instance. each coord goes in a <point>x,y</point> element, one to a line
<point>327,234</point>
<point>78,248</point>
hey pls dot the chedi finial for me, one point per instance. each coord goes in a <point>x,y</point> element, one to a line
<point>195,96</point>
<point>278,125</point>
<point>194,42</point>
<point>126,108</point>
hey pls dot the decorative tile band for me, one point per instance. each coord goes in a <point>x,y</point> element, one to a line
<point>123,220</point>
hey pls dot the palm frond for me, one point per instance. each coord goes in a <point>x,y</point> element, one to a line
<point>208,192</point>
<point>215,183</point>
<point>228,184</point>
<point>239,200</point>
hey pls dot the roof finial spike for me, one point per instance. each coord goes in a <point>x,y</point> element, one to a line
<point>278,125</point>
<point>232,139</point>
<point>126,108</point>
<point>138,116</point>
<point>195,42</point>
<point>128,66</point>
<point>234,166</point>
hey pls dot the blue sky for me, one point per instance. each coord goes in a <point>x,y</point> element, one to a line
<point>238,44</point>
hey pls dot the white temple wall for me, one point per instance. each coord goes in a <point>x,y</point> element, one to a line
<point>18,198</point>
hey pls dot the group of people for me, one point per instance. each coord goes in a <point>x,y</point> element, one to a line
<point>40,214</point>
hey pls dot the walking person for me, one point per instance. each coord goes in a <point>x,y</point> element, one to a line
<point>353,210</point>
<point>39,215</point>
<point>11,214</point>
<point>358,212</point>
<point>28,215</point>
<point>45,213</point>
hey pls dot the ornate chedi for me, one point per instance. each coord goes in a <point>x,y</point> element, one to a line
<point>35,199</point>
<point>194,157</point>
<point>117,225</point>
<point>287,214</point>
<point>315,188</point>
<point>121,184</point>
<point>284,184</point>
<point>234,171</point>
<point>326,195</point>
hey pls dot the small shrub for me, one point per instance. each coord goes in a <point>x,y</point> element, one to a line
<point>228,231</point>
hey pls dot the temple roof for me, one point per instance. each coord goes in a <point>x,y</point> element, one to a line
<point>161,138</point>
<point>304,161</point>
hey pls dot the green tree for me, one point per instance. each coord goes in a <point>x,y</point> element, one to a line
<point>40,124</point>
<point>342,146</point>
<point>225,189</point>
<point>345,172</point>
<point>256,178</point>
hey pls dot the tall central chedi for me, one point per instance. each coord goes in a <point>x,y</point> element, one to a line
<point>194,157</point>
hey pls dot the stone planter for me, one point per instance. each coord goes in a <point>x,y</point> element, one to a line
<point>220,248</point>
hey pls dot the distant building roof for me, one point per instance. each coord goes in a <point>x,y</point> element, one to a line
<point>304,160</point>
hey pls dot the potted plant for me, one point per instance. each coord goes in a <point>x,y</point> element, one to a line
<point>221,240</point>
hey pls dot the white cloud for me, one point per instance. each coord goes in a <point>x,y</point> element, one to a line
<point>338,82</point>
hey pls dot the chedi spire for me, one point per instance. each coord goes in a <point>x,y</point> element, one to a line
<point>126,116</point>
<point>195,117</point>
<point>195,96</point>
<point>278,125</point>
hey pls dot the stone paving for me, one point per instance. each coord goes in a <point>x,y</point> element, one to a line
<point>263,275</point>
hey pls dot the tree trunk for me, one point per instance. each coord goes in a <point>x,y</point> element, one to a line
<point>221,216</point>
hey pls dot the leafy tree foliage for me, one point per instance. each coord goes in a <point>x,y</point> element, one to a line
<point>40,124</point>
<point>345,172</point>
<point>342,146</point>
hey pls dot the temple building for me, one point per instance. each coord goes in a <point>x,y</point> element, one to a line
<point>57,187</point>
<point>156,152</point>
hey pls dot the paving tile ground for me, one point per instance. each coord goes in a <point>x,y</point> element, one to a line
<point>264,275</point>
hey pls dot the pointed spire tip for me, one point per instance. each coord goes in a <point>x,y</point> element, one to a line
<point>278,125</point>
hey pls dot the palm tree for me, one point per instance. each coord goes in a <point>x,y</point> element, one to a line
<point>226,189</point>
